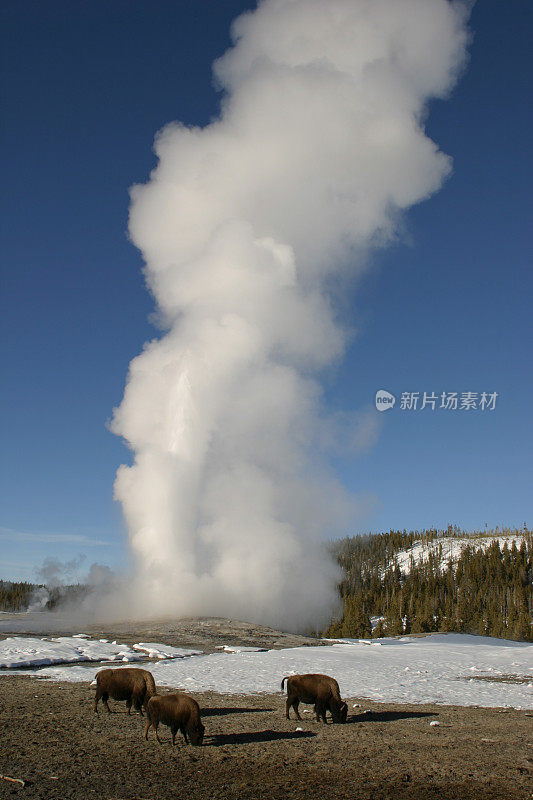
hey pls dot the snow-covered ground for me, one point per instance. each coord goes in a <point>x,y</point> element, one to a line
<point>452,547</point>
<point>443,668</point>
<point>19,652</point>
<point>154,650</point>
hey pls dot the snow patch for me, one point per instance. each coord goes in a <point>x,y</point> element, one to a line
<point>155,650</point>
<point>29,652</point>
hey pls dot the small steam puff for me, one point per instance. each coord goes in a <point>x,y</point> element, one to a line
<point>319,147</point>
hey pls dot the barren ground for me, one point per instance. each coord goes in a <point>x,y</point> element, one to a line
<point>203,633</point>
<point>52,740</point>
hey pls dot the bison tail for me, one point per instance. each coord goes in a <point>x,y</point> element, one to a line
<point>283,681</point>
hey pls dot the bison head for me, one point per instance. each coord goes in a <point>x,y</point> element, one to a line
<point>196,735</point>
<point>340,713</point>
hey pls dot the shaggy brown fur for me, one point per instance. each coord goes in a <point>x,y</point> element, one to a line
<point>321,690</point>
<point>179,712</point>
<point>135,686</point>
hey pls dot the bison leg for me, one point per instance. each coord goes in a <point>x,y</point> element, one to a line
<point>173,730</point>
<point>155,726</point>
<point>320,711</point>
<point>292,700</point>
<point>105,698</point>
<point>138,702</point>
<point>146,729</point>
<point>100,695</point>
<point>288,705</point>
<point>184,732</point>
<point>97,697</point>
<point>128,706</point>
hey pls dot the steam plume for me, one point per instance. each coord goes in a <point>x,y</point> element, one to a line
<point>244,226</point>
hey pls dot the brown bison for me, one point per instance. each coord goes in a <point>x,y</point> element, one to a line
<point>135,686</point>
<point>179,712</point>
<point>321,690</point>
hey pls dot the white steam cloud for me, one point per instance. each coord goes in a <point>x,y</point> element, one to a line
<point>245,225</point>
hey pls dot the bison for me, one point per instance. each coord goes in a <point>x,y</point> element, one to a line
<point>179,712</point>
<point>321,690</point>
<point>135,686</point>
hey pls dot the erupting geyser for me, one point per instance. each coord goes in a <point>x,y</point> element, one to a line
<point>243,224</point>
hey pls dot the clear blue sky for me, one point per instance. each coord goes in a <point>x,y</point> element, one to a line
<point>85,86</point>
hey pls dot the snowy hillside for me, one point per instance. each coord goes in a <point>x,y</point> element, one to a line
<point>449,548</point>
<point>404,579</point>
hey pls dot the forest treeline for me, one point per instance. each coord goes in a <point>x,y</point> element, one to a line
<point>20,595</point>
<point>485,591</point>
<point>15,596</point>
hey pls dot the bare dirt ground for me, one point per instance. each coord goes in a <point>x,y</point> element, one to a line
<point>52,740</point>
<point>202,633</point>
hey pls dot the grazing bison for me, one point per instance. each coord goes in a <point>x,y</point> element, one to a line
<point>135,686</point>
<point>321,690</point>
<point>179,712</point>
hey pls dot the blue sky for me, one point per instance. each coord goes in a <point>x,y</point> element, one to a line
<point>85,86</point>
